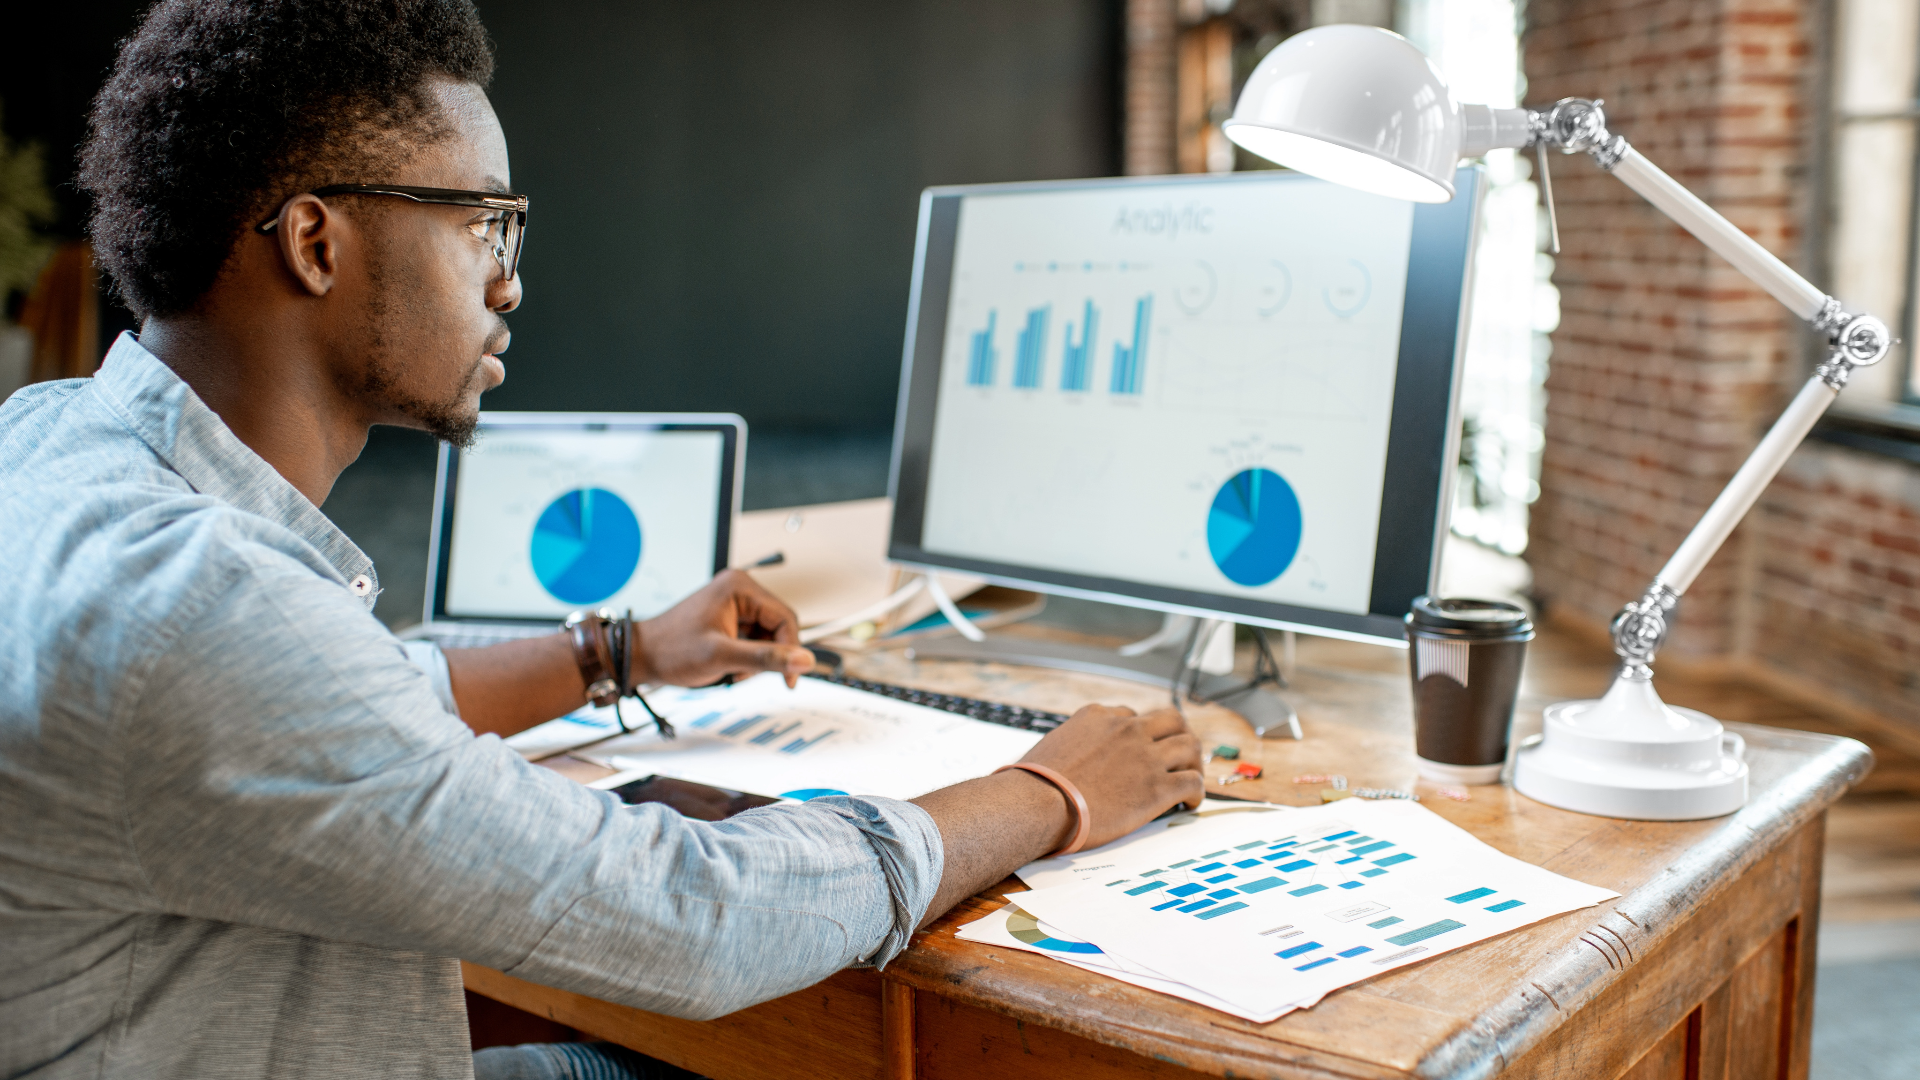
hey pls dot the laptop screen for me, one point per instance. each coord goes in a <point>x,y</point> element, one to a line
<point>550,513</point>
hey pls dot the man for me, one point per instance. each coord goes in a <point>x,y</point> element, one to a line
<point>241,833</point>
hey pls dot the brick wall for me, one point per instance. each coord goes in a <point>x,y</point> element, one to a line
<point>1152,30</point>
<point>1836,587</point>
<point>1668,364</point>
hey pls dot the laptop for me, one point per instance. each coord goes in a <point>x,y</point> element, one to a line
<point>550,513</point>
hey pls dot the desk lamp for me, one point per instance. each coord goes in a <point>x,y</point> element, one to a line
<point>1362,107</point>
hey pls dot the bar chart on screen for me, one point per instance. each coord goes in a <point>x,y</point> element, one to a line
<point>1130,361</point>
<point>981,355</point>
<point>1030,347</point>
<point>1076,372</point>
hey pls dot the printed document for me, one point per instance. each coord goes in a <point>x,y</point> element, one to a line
<point>1264,911</point>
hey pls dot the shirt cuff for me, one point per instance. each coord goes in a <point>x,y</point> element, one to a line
<point>907,844</point>
<point>429,659</point>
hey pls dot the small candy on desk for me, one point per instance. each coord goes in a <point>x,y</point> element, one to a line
<point>1243,771</point>
<point>1456,794</point>
<point>1385,793</point>
<point>1230,753</point>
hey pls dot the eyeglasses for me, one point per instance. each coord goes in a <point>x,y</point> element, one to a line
<point>504,232</point>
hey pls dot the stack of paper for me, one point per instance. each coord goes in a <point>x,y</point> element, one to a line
<point>818,739</point>
<point>1259,914</point>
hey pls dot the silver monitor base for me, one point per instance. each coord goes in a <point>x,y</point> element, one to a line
<point>1270,715</point>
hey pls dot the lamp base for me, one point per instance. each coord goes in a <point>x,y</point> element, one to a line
<point>1631,755</point>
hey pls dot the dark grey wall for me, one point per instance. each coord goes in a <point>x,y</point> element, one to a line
<point>724,195</point>
<point>723,207</point>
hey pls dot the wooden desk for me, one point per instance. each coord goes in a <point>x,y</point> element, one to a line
<point>1704,967</point>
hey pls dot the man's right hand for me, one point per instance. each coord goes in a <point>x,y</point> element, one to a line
<point>1130,768</point>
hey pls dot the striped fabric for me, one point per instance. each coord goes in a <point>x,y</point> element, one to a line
<point>242,838</point>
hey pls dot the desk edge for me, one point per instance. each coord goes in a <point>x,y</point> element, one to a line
<point>1645,918</point>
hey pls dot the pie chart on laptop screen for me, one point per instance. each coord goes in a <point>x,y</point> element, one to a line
<point>1253,527</point>
<point>585,546</point>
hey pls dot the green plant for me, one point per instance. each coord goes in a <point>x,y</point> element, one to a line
<point>26,206</point>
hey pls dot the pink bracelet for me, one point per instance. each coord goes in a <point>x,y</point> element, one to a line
<point>1083,818</point>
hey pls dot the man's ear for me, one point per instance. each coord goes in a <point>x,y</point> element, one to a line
<point>309,235</point>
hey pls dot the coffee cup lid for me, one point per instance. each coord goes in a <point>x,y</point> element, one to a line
<point>1464,613</point>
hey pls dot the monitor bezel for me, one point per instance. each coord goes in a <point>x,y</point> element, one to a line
<point>1422,444</point>
<point>731,428</point>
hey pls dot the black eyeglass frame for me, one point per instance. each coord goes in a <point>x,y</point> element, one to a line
<point>513,230</point>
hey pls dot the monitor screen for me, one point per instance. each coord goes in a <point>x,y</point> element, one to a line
<point>1226,395</point>
<point>547,515</point>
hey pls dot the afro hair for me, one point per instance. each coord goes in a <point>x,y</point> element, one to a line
<point>217,111</point>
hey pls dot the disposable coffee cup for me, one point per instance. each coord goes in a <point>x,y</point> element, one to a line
<point>1465,657</point>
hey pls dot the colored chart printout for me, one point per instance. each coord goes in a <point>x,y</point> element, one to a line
<point>1266,911</point>
<point>758,736</point>
<point>1099,863</point>
<point>1012,928</point>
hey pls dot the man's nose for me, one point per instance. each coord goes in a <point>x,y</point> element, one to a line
<point>503,295</point>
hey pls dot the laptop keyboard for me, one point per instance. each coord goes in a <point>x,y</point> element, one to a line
<point>993,712</point>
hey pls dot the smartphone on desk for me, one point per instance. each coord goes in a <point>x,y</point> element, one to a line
<point>692,800</point>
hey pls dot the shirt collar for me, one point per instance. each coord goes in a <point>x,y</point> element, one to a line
<point>165,413</point>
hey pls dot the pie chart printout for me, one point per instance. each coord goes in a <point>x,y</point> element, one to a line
<point>586,545</point>
<point>1025,927</point>
<point>1253,528</point>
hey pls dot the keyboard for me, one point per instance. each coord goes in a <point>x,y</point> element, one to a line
<point>483,639</point>
<point>993,712</point>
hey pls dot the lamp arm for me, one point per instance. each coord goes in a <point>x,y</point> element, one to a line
<point>1726,239</point>
<point>1574,125</point>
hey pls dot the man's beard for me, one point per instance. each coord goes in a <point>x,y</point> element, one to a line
<point>450,420</point>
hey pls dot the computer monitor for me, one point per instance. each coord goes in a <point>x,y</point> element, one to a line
<point>551,512</point>
<point>1229,396</point>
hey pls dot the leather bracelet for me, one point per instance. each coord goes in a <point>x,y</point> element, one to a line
<point>1083,818</point>
<point>593,652</point>
<point>603,646</point>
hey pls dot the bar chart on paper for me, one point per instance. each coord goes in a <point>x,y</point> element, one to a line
<point>1267,912</point>
<point>758,736</point>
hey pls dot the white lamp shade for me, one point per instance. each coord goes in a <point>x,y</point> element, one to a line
<point>1356,105</point>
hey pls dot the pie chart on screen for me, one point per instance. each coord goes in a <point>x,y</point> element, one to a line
<point>586,545</point>
<point>1253,527</point>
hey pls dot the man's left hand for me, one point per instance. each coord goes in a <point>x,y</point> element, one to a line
<point>731,627</point>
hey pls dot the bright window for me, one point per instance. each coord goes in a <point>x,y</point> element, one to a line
<point>1871,245</point>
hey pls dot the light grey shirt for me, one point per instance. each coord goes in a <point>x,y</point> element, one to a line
<point>240,835</point>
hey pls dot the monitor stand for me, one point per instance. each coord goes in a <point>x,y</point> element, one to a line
<point>1270,715</point>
